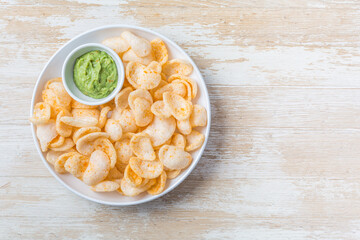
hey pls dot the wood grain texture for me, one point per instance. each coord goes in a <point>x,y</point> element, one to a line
<point>282,161</point>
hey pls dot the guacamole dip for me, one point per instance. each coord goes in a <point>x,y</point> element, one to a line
<point>95,74</point>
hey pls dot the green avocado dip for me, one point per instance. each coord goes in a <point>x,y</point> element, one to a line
<point>95,74</point>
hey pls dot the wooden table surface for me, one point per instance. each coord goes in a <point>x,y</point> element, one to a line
<point>283,157</point>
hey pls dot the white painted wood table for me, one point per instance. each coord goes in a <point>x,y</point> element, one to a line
<point>283,158</point>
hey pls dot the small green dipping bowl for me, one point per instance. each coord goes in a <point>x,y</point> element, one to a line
<point>68,74</point>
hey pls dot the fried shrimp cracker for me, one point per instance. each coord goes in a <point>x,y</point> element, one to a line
<point>42,113</point>
<point>177,105</point>
<point>118,44</point>
<point>97,169</point>
<point>140,46</point>
<point>146,169</point>
<point>160,130</point>
<point>159,186</point>
<point>46,133</point>
<point>79,121</point>
<point>140,145</point>
<point>174,158</point>
<point>160,51</point>
<point>143,77</point>
<point>177,66</point>
<point>194,140</point>
<point>105,186</point>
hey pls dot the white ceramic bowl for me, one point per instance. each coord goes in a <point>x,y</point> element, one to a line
<point>53,69</point>
<point>68,74</point>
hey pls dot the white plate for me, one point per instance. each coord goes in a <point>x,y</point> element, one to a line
<point>53,69</point>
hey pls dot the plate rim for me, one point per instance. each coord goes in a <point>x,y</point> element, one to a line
<point>192,166</point>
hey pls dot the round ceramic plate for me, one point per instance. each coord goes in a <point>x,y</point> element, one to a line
<point>53,69</point>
